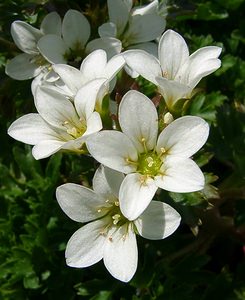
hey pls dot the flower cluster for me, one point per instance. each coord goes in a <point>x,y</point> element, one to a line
<point>140,148</point>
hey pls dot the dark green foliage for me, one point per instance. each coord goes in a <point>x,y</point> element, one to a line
<point>204,259</point>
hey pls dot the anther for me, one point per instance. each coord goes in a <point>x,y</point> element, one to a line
<point>163,150</point>
<point>150,161</point>
<point>65,123</point>
<point>116,218</point>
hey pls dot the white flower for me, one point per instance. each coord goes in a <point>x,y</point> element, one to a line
<point>175,73</point>
<point>94,66</point>
<point>133,26</point>
<point>31,63</point>
<point>59,123</point>
<point>150,161</point>
<point>72,45</point>
<point>109,235</point>
<point>75,33</point>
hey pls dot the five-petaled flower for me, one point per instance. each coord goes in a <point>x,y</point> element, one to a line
<point>108,235</point>
<point>59,123</point>
<point>94,66</point>
<point>174,72</point>
<point>150,161</point>
<point>135,27</point>
<point>31,63</point>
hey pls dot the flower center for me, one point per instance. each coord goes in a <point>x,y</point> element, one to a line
<point>75,54</point>
<point>39,60</point>
<point>75,129</point>
<point>117,217</point>
<point>149,163</point>
<point>112,210</point>
<point>114,218</point>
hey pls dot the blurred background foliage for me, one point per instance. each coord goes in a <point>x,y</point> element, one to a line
<point>204,259</point>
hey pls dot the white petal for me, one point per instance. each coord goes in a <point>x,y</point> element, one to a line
<point>201,63</point>
<point>51,24</point>
<point>151,8</point>
<point>86,245</point>
<point>139,120</point>
<point>144,28</point>
<point>114,180</point>
<point>150,69</point>
<point>86,97</point>
<point>71,76</point>
<point>184,136</point>
<point>51,76</point>
<point>55,108</point>
<point>107,30</point>
<point>121,253</point>
<point>53,48</point>
<point>158,221</point>
<point>181,175</point>
<point>119,13</point>
<point>94,124</point>
<point>113,66</point>
<point>94,64</point>
<point>173,52</point>
<point>131,72</point>
<point>75,29</point>
<point>79,203</point>
<point>136,192</point>
<point>112,46</point>
<point>107,181</point>
<point>100,183</point>
<point>23,67</point>
<point>37,81</point>
<point>46,148</point>
<point>31,129</point>
<point>103,91</point>
<point>25,36</point>
<point>113,148</point>
<point>74,144</point>
<point>61,87</point>
<point>149,47</point>
<point>172,90</point>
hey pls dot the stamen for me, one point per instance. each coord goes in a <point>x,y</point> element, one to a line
<point>116,203</point>
<point>110,238</point>
<point>72,131</point>
<point>143,141</point>
<point>163,151</point>
<point>129,161</point>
